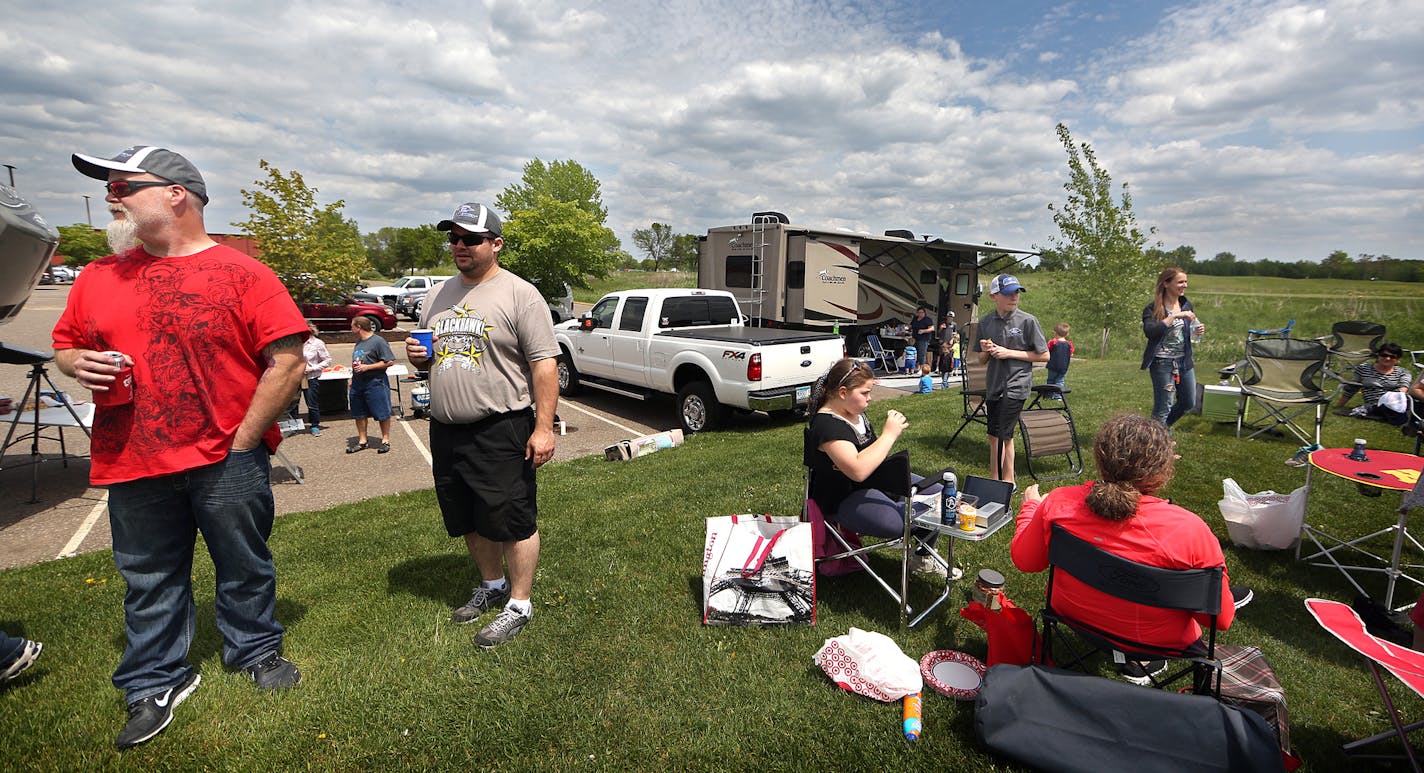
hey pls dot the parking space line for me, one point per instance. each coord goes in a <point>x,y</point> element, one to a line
<point>72,547</point>
<point>419,446</point>
<point>629,430</point>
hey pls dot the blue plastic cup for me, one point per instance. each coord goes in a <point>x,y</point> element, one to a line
<point>426,337</point>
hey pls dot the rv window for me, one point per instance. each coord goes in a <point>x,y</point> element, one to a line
<point>698,310</point>
<point>796,275</point>
<point>961,284</point>
<point>739,271</point>
<point>632,316</point>
<point>927,277</point>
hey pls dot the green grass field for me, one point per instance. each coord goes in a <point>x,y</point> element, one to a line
<point>616,671</point>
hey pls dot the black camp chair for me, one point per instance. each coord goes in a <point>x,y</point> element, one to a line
<point>1350,343</point>
<point>1189,590</point>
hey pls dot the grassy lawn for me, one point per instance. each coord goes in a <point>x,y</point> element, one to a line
<point>616,671</point>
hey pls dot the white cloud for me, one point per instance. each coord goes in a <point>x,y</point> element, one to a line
<point>1259,128</point>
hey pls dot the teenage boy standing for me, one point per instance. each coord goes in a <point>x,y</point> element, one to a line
<point>1010,342</point>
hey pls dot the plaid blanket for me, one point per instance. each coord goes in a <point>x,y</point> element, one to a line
<point>1248,681</point>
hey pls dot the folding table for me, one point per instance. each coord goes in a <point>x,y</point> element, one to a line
<point>1383,470</point>
<point>79,415</point>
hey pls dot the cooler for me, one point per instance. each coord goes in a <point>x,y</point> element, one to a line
<point>1220,402</point>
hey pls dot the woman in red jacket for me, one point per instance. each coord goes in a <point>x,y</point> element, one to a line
<point>1121,515</point>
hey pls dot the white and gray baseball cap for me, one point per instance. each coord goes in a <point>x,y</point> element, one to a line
<point>160,162</point>
<point>473,217</point>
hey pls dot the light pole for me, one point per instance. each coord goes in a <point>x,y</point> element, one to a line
<point>87,216</point>
<point>11,167</point>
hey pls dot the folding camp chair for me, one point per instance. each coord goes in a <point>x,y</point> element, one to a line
<point>1406,664</point>
<point>1350,343</point>
<point>836,546</point>
<point>1048,431</point>
<point>975,388</point>
<point>1274,332</point>
<point>1189,590</point>
<point>882,357</point>
<point>1284,373</point>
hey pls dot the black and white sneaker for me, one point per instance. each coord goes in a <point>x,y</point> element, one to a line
<point>148,717</point>
<point>274,672</point>
<point>506,625</point>
<point>1242,595</point>
<point>29,651</point>
<point>481,601</point>
<point>1142,672</point>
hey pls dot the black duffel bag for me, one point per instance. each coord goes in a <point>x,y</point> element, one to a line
<point>1051,719</point>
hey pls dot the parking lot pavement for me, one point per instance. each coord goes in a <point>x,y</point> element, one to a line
<point>70,517</point>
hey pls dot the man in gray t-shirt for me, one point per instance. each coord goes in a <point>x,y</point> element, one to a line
<point>493,391</point>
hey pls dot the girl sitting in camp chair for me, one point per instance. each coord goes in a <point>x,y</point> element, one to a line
<point>843,450</point>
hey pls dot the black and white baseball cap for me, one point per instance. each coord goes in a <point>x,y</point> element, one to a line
<point>160,162</point>
<point>473,217</point>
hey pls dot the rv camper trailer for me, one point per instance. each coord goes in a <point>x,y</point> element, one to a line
<point>786,275</point>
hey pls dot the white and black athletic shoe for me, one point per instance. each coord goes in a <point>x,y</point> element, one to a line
<point>23,660</point>
<point>148,716</point>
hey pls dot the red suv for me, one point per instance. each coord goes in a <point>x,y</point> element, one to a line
<point>333,310</point>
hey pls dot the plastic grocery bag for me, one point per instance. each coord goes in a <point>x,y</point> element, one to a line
<point>1262,521</point>
<point>870,664</point>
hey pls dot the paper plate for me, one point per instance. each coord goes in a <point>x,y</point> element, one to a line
<point>953,674</point>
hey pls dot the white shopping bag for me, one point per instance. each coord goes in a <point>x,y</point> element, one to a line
<point>758,570</point>
<point>1262,521</point>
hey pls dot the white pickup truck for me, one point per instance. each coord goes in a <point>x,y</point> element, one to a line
<point>692,344</point>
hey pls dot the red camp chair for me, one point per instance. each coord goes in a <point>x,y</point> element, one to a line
<point>1406,664</point>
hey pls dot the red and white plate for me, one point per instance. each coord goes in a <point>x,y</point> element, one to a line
<point>953,674</point>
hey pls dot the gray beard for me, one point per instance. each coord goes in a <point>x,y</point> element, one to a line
<point>122,235</point>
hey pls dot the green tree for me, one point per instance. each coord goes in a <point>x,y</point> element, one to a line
<point>1337,264</point>
<point>397,250</point>
<point>684,252</point>
<point>555,233</point>
<point>1102,246</point>
<point>565,181</point>
<point>658,242</point>
<point>305,243</point>
<point>81,244</point>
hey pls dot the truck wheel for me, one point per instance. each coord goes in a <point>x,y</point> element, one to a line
<point>568,376</point>
<point>375,324</point>
<point>698,407</point>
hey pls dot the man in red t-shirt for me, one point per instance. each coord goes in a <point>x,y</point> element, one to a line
<point>214,343</point>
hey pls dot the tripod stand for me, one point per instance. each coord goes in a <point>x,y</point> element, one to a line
<point>11,355</point>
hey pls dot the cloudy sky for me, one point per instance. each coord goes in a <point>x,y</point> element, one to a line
<point>1280,130</point>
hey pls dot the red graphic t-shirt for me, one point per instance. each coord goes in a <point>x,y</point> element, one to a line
<point>195,326</point>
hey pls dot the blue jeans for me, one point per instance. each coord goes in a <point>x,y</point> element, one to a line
<point>1164,408</point>
<point>10,648</point>
<point>155,522</point>
<point>1055,377</point>
<point>313,398</point>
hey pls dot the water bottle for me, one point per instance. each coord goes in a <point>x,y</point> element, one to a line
<point>913,724</point>
<point>948,500</point>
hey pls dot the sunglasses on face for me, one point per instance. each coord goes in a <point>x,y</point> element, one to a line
<point>122,188</point>
<point>470,240</point>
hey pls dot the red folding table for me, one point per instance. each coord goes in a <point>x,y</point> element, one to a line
<point>1382,470</point>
